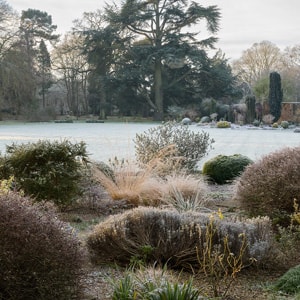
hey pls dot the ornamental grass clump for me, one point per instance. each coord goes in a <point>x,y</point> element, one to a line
<point>41,258</point>
<point>127,181</point>
<point>171,237</point>
<point>184,192</point>
<point>153,284</point>
<point>189,146</point>
<point>223,168</point>
<point>270,186</point>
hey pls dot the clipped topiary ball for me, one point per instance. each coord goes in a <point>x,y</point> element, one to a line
<point>223,124</point>
<point>223,168</point>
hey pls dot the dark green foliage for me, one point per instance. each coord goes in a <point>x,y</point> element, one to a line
<point>223,168</point>
<point>40,256</point>
<point>275,95</point>
<point>46,170</point>
<point>251,113</point>
<point>190,146</point>
<point>289,283</point>
<point>271,185</point>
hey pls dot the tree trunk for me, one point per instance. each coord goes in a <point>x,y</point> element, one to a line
<point>102,110</point>
<point>159,113</point>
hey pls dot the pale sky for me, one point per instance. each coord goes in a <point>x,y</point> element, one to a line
<point>242,24</point>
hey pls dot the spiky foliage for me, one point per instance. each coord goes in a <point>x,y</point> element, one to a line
<point>190,146</point>
<point>171,237</point>
<point>184,192</point>
<point>41,258</point>
<point>223,168</point>
<point>152,284</point>
<point>271,185</point>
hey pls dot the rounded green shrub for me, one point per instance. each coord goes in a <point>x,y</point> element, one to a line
<point>271,185</point>
<point>188,146</point>
<point>40,256</point>
<point>46,170</point>
<point>223,168</point>
<point>284,124</point>
<point>223,124</point>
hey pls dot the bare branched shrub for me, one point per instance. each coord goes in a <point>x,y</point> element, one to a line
<point>171,237</point>
<point>184,192</point>
<point>271,185</point>
<point>40,256</point>
<point>190,146</point>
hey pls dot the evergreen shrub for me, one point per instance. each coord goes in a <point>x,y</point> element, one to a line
<point>223,168</point>
<point>176,238</point>
<point>189,146</point>
<point>289,283</point>
<point>223,124</point>
<point>46,170</point>
<point>40,256</point>
<point>284,124</point>
<point>271,185</point>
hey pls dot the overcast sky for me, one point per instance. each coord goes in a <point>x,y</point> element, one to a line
<point>243,23</point>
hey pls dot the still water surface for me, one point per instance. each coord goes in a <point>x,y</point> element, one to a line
<point>107,140</point>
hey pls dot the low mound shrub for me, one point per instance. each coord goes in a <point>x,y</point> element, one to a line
<point>167,236</point>
<point>223,124</point>
<point>223,168</point>
<point>40,256</point>
<point>46,170</point>
<point>284,124</point>
<point>270,186</point>
<point>189,146</point>
<point>289,283</point>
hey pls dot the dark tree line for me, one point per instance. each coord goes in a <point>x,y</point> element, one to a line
<point>139,58</point>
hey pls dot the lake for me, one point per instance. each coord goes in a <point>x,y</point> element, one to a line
<point>107,140</point>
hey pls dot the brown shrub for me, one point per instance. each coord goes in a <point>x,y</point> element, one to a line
<point>40,256</point>
<point>167,236</point>
<point>270,186</point>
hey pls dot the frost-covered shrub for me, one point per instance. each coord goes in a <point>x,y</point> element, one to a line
<point>40,256</point>
<point>184,192</point>
<point>172,237</point>
<point>46,170</point>
<point>189,146</point>
<point>284,124</point>
<point>223,168</point>
<point>271,185</point>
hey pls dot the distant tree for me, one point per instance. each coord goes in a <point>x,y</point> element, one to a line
<point>72,68</point>
<point>257,62</point>
<point>162,23</point>
<point>44,70</point>
<point>275,95</point>
<point>291,74</point>
<point>35,28</point>
<point>251,113</point>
